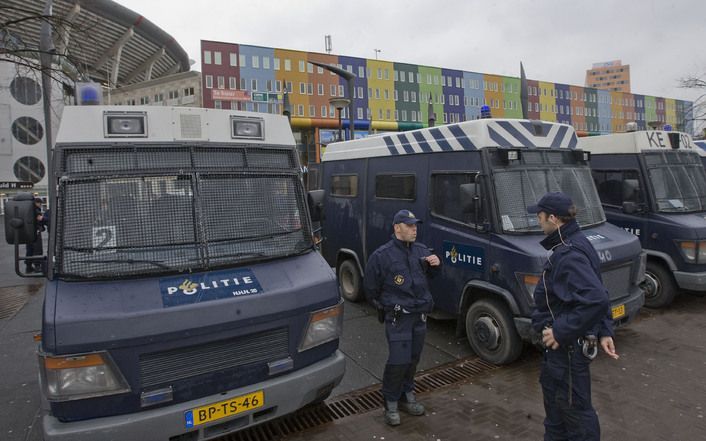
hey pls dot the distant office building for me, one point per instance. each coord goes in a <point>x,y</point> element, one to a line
<point>611,75</point>
<point>390,96</point>
<point>182,89</point>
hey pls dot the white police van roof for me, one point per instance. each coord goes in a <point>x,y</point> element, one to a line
<point>87,124</point>
<point>464,136</point>
<point>636,142</point>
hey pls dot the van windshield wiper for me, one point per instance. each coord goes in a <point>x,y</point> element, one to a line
<point>157,263</point>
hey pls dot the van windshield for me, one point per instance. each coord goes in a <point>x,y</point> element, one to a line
<point>678,181</point>
<point>126,225</point>
<point>517,188</point>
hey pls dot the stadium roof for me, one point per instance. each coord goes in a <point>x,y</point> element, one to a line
<point>100,38</point>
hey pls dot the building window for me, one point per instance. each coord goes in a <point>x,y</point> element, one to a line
<point>188,91</point>
<point>310,68</point>
<point>361,72</point>
<point>253,84</point>
<point>159,97</point>
<point>340,90</point>
<point>269,85</point>
<point>302,88</point>
<point>323,111</point>
<point>310,88</point>
<point>300,110</point>
<point>387,94</point>
<point>265,62</point>
<point>302,67</point>
<point>255,62</point>
<point>209,81</point>
<point>232,83</point>
<point>312,111</point>
<point>287,64</point>
<point>206,57</point>
<point>333,90</point>
<point>414,96</point>
<point>173,94</point>
<point>243,84</point>
<point>217,58</point>
<point>242,60</point>
<point>221,82</point>
<point>278,86</point>
<point>360,113</point>
<point>276,63</point>
<point>217,104</point>
<point>404,115</point>
<point>233,59</point>
<point>144,100</point>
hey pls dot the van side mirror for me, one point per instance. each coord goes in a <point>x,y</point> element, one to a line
<point>20,219</point>
<point>468,197</point>
<point>315,200</point>
<point>629,207</point>
<point>631,188</point>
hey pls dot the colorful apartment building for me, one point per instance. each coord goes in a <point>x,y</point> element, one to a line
<point>390,96</point>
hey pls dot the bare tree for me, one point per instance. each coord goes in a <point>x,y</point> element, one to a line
<point>698,106</point>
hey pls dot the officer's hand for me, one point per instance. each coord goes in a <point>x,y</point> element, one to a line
<point>548,339</point>
<point>609,347</point>
<point>433,260</point>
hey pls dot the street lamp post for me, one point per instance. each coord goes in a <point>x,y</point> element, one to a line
<point>350,78</point>
<point>339,104</point>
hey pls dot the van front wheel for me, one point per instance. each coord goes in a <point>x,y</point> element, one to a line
<point>491,332</point>
<point>349,281</point>
<point>660,288</point>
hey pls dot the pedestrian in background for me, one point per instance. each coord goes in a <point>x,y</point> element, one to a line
<point>396,283</point>
<point>572,313</point>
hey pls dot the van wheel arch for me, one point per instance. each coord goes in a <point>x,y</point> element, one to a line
<point>489,327</point>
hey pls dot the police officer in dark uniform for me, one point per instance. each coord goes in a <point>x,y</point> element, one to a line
<point>572,313</point>
<point>396,283</point>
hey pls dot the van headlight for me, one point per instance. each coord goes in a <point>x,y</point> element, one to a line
<point>77,376</point>
<point>324,326</point>
<point>693,251</point>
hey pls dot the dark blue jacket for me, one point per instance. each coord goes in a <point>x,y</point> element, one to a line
<point>576,294</point>
<point>395,275</point>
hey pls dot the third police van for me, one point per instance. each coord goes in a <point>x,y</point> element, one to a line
<point>471,183</point>
<point>652,184</point>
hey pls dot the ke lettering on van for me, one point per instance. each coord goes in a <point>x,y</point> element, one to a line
<point>470,183</point>
<point>184,291</point>
<point>652,184</point>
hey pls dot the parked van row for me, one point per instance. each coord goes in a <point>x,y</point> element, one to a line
<point>471,184</point>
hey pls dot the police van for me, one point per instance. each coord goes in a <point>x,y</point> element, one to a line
<point>652,184</point>
<point>184,298</point>
<point>471,183</point>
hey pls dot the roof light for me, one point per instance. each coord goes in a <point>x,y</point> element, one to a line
<point>247,128</point>
<point>485,112</point>
<point>125,124</point>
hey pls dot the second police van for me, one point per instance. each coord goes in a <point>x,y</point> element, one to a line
<point>471,183</point>
<point>652,184</point>
<point>185,298</point>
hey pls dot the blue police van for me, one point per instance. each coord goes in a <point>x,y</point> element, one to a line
<point>471,184</point>
<point>652,184</point>
<point>185,298</point>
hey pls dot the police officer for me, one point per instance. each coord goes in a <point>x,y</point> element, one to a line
<point>572,313</point>
<point>396,283</point>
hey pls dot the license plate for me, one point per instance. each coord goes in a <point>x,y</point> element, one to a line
<point>618,311</point>
<point>224,409</point>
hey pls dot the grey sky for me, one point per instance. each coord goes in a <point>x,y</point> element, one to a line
<point>557,41</point>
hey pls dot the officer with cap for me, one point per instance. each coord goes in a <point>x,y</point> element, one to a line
<point>572,313</point>
<point>396,282</point>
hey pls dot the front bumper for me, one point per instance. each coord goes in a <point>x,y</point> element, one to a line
<point>633,302</point>
<point>690,281</point>
<point>283,395</point>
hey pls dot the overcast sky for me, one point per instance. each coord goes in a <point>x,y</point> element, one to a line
<point>556,40</point>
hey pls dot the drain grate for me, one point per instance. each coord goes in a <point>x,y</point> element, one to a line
<point>358,402</point>
<point>12,299</point>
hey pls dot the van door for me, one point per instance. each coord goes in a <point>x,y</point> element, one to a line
<point>623,197</point>
<point>452,233</point>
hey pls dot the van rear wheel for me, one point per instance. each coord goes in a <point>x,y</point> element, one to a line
<point>491,332</point>
<point>659,285</point>
<point>349,281</point>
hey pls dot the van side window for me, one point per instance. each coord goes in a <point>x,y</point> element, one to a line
<point>617,186</point>
<point>344,185</point>
<point>395,187</point>
<point>446,196</point>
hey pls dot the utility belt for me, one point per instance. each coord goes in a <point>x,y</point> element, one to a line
<point>397,311</point>
<point>588,345</point>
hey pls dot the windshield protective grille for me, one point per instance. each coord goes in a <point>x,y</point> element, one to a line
<point>519,188</point>
<point>193,219</point>
<point>678,181</point>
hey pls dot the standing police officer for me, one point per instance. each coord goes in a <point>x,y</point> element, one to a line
<point>572,313</point>
<point>396,282</point>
